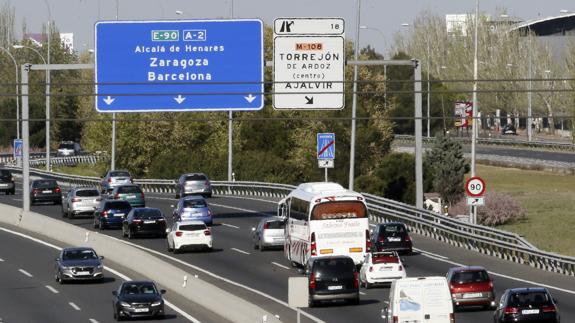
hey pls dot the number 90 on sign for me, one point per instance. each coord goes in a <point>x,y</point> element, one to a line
<point>475,186</point>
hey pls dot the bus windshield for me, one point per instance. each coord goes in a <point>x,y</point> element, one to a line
<point>339,210</point>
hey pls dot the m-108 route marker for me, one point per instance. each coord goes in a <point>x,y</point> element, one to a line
<point>309,63</point>
<point>182,65</point>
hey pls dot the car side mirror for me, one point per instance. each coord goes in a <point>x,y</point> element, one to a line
<point>115,293</point>
<point>168,230</point>
<point>57,259</point>
<point>163,291</point>
<point>101,257</point>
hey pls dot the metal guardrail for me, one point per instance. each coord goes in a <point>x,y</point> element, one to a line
<point>483,239</point>
<point>39,159</point>
<point>552,145</point>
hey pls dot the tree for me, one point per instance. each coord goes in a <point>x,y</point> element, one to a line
<point>448,168</point>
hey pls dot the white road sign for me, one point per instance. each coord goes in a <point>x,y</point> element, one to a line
<point>309,63</point>
<point>326,163</point>
<point>475,187</point>
<point>475,201</point>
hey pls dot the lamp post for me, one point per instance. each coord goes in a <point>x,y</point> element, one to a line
<point>48,33</point>
<point>474,100</point>
<point>354,100</point>
<point>17,96</point>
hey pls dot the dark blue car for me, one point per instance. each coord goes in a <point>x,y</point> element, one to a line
<point>111,214</point>
<point>193,208</point>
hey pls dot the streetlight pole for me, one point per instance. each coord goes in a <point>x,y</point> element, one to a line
<point>530,84</point>
<point>354,100</point>
<point>474,113</point>
<point>428,89</point>
<point>17,96</point>
<point>48,32</point>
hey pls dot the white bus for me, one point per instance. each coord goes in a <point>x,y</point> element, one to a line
<point>324,219</point>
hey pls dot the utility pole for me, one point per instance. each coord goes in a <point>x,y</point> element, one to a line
<point>354,100</point>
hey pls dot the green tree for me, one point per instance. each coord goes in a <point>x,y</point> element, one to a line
<point>448,168</point>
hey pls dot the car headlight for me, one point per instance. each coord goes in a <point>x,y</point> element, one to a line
<point>99,266</point>
<point>65,268</point>
<point>124,304</point>
<point>157,303</point>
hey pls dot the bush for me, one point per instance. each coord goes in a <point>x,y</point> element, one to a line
<point>499,209</point>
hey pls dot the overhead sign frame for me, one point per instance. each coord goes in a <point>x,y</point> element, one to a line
<point>309,63</point>
<point>179,65</point>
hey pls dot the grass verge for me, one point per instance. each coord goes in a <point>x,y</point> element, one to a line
<point>549,200</point>
<point>96,170</point>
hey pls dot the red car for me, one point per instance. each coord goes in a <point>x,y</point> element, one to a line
<point>471,286</point>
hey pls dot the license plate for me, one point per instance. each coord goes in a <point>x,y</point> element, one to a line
<point>384,268</point>
<point>131,196</point>
<point>47,191</point>
<point>335,287</point>
<point>192,234</point>
<point>140,310</point>
<point>536,311</point>
<point>472,295</point>
<point>83,273</point>
<point>149,221</point>
<point>3,185</point>
<point>119,214</point>
<point>394,239</point>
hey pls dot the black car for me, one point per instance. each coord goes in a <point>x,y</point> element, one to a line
<point>79,263</point>
<point>391,236</point>
<point>332,278</point>
<point>45,190</point>
<point>138,299</point>
<point>7,182</point>
<point>533,304</point>
<point>508,129</point>
<point>111,214</point>
<point>144,220</point>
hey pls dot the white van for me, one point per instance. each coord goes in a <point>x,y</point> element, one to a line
<point>419,300</point>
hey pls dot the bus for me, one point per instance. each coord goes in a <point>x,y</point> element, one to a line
<point>324,219</point>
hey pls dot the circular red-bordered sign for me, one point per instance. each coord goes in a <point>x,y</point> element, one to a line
<point>475,186</point>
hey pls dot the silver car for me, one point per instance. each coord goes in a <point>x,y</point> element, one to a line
<point>193,183</point>
<point>80,201</point>
<point>68,148</point>
<point>79,263</point>
<point>115,178</point>
<point>269,233</point>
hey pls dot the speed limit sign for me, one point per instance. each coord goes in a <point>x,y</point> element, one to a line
<point>475,187</point>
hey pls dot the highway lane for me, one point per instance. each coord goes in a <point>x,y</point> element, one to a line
<point>268,271</point>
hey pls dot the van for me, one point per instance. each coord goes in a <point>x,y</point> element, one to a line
<point>332,278</point>
<point>419,300</point>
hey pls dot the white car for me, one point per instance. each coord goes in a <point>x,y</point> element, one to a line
<point>189,235</point>
<point>380,268</point>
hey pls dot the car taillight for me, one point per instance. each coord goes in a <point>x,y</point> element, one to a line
<point>105,214</point>
<point>312,282</point>
<point>491,284</point>
<point>355,280</point>
<point>367,241</point>
<point>407,238</point>
<point>511,310</point>
<point>370,268</point>
<point>179,233</point>
<point>35,191</point>
<point>58,190</point>
<point>395,319</point>
<point>75,199</point>
<point>142,193</point>
<point>451,318</point>
<point>313,246</point>
<point>207,232</point>
<point>266,225</point>
<point>451,288</point>
<point>116,196</point>
<point>381,239</point>
<point>109,180</point>
<point>548,308</point>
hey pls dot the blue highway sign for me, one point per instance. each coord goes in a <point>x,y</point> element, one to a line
<point>18,147</point>
<point>180,65</point>
<point>326,146</point>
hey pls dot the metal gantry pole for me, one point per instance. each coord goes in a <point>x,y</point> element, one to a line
<point>25,141</point>
<point>354,101</point>
<point>48,32</point>
<point>530,84</point>
<point>230,124</point>
<point>418,137</point>
<point>475,107</point>
<point>428,90</point>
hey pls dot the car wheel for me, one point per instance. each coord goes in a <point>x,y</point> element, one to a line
<point>176,251</point>
<point>168,244</point>
<point>130,235</point>
<point>368,285</point>
<point>310,302</point>
<point>124,233</point>
<point>13,192</point>
<point>101,225</point>
<point>64,213</point>
<point>177,196</point>
<point>70,215</point>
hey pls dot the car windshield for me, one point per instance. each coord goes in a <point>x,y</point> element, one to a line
<point>44,184</point>
<point>196,177</point>
<point>275,225</point>
<point>333,267</point>
<point>465,277</point>
<point>118,205</point>
<point>140,288</point>
<point>192,227</point>
<point>129,189</point>
<point>194,204</point>
<point>66,146</point>
<point>87,193</point>
<point>393,230</point>
<point>79,254</point>
<point>119,174</point>
<point>527,299</point>
<point>148,213</point>
<point>4,173</point>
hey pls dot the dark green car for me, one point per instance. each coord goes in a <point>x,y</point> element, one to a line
<point>129,192</point>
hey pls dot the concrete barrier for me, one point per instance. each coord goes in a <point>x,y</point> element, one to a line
<point>168,276</point>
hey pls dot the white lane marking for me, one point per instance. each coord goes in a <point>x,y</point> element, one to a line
<point>240,251</point>
<point>52,289</point>
<point>1,260</point>
<point>74,306</point>
<point>113,271</point>
<point>17,199</point>
<point>446,259</point>
<point>25,272</point>
<point>362,293</point>
<point>93,321</point>
<point>425,253</point>
<point>229,281</point>
<point>230,225</point>
<point>280,265</point>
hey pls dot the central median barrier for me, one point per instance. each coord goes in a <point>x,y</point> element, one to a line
<point>165,274</point>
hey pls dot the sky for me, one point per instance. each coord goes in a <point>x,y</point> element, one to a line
<point>384,18</point>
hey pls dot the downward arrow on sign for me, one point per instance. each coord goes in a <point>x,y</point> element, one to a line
<point>180,99</point>
<point>109,100</point>
<point>250,98</point>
